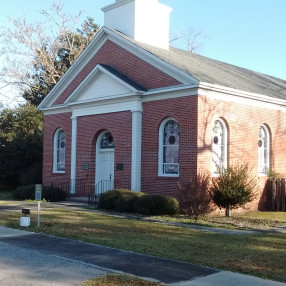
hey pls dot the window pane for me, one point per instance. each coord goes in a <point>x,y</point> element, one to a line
<point>171,154</point>
<point>171,148</point>
<point>218,146</point>
<point>262,151</point>
<point>171,169</point>
<point>61,151</point>
<point>107,141</point>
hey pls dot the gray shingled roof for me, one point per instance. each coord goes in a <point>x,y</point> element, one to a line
<point>215,72</point>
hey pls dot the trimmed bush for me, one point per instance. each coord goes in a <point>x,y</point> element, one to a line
<point>126,200</point>
<point>24,193</point>
<point>107,200</point>
<point>156,205</point>
<point>51,194</point>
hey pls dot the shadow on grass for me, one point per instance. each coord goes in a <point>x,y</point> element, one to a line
<point>260,255</point>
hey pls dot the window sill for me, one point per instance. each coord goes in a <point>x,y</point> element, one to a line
<point>58,173</point>
<point>168,177</point>
<point>262,175</point>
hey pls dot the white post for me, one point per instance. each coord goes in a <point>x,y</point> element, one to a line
<point>136,148</point>
<point>39,212</point>
<point>73,154</point>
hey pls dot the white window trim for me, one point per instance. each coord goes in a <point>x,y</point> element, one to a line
<point>267,163</point>
<point>161,149</point>
<point>55,156</point>
<point>225,143</point>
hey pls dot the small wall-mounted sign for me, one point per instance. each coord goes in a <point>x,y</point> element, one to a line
<point>85,166</point>
<point>119,167</point>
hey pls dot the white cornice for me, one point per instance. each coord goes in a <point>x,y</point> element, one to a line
<point>170,92</point>
<point>243,97</point>
<point>116,4</point>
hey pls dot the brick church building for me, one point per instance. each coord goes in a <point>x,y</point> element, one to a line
<point>133,112</point>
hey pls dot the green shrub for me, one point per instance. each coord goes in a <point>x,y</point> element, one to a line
<point>126,200</point>
<point>107,200</point>
<point>51,194</point>
<point>273,174</point>
<point>234,187</point>
<point>24,193</point>
<point>156,205</point>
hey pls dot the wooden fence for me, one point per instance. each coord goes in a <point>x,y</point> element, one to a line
<point>276,194</point>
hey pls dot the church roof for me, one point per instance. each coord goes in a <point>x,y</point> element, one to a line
<point>218,73</point>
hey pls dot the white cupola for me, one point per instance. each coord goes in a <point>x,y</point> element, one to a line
<point>146,21</point>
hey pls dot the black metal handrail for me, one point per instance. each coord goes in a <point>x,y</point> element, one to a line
<point>103,186</point>
<point>100,188</point>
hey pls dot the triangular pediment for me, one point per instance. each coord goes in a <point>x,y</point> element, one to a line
<point>102,83</point>
<point>64,93</point>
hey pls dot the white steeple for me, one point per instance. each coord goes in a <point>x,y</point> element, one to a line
<point>145,21</point>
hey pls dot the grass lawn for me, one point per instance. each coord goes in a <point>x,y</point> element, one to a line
<point>250,220</point>
<point>118,280</point>
<point>262,255</point>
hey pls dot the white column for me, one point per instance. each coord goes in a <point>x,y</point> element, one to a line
<point>73,154</point>
<point>136,148</point>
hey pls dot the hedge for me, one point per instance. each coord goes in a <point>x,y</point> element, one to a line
<point>51,194</point>
<point>128,201</point>
<point>156,205</point>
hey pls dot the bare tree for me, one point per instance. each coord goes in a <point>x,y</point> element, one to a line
<point>189,40</point>
<point>36,55</point>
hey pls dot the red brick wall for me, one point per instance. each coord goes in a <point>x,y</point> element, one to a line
<point>51,124</point>
<point>195,116</point>
<point>184,111</point>
<point>243,126</point>
<point>89,128</point>
<point>127,63</point>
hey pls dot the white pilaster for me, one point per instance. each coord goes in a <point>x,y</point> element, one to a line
<point>136,148</point>
<point>73,154</point>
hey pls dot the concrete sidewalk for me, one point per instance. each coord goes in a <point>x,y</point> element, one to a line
<point>35,259</point>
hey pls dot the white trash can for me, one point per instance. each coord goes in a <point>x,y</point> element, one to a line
<point>25,221</point>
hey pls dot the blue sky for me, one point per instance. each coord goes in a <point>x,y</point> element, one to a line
<point>247,33</point>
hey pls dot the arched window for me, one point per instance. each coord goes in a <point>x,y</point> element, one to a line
<point>219,146</point>
<point>59,151</point>
<point>107,141</point>
<point>263,150</point>
<point>169,148</point>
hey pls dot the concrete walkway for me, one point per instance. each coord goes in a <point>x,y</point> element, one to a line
<point>36,259</point>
